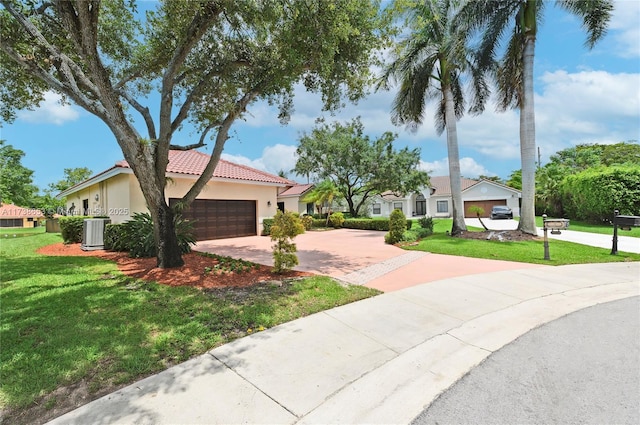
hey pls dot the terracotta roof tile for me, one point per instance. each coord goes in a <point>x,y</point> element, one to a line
<point>194,162</point>
<point>297,190</point>
<point>12,211</point>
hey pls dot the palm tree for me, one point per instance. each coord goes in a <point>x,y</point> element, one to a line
<point>430,64</point>
<point>515,71</point>
<point>323,193</point>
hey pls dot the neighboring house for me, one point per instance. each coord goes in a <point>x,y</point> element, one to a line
<point>291,199</point>
<point>14,216</point>
<point>232,204</point>
<point>435,201</point>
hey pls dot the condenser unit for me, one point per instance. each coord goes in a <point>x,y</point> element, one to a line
<point>93,233</point>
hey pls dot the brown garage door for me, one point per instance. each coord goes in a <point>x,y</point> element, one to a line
<point>218,219</point>
<point>485,205</point>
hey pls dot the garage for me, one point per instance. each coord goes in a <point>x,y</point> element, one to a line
<point>485,205</point>
<point>218,219</point>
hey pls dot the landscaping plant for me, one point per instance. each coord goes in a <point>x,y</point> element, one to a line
<point>397,226</point>
<point>336,219</point>
<point>286,226</point>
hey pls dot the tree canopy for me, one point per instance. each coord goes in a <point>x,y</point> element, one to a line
<point>16,180</point>
<point>358,166</point>
<point>147,74</point>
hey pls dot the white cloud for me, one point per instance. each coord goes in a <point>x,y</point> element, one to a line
<point>273,160</point>
<point>50,111</point>
<point>625,29</point>
<point>468,168</point>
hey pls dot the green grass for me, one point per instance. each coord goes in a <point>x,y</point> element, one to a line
<point>72,319</point>
<point>603,229</point>
<point>522,251</point>
<point>9,232</point>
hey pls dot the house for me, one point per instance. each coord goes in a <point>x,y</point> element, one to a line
<point>232,204</point>
<point>14,216</point>
<point>291,199</point>
<point>435,201</point>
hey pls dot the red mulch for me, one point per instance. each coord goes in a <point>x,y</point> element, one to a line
<point>193,273</point>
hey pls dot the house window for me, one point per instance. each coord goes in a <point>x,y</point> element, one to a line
<point>85,207</point>
<point>443,206</point>
<point>397,206</point>
<point>377,208</point>
<point>310,208</point>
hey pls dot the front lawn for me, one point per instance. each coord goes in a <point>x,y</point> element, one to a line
<point>522,251</point>
<point>70,322</point>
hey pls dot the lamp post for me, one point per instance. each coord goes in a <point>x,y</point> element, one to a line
<point>614,247</point>
<point>546,240</point>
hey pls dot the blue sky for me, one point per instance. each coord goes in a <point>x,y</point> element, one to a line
<point>582,96</point>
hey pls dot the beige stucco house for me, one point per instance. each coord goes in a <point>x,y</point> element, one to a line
<point>232,204</point>
<point>291,199</point>
<point>14,216</point>
<point>435,200</point>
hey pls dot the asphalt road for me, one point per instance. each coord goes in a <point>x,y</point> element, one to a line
<point>583,368</point>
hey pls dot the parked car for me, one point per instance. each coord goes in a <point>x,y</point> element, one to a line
<point>501,211</point>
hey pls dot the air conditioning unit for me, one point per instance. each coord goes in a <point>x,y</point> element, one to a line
<point>93,233</point>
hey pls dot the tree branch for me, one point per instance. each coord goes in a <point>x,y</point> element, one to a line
<point>200,143</point>
<point>143,110</point>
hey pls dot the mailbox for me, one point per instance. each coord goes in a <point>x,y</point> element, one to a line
<point>556,223</point>
<point>626,222</point>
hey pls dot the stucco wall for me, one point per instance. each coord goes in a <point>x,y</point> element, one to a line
<point>485,192</point>
<point>113,199</point>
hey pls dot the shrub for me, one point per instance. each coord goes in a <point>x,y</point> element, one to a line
<point>71,228</point>
<point>285,227</point>
<point>593,194</point>
<point>409,224</point>
<point>397,227</point>
<point>266,226</point>
<point>423,232</point>
<point>307,222</point>
<point>319,222</point>
<point>366,224</point>
<point>426,223</point>
<point>139,239</point>
<point>115,238</point>
<point>336,219</point>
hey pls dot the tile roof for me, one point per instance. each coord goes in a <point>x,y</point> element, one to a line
<point>193,163</point>
<point>12,211</point>
<point>442,184</point>
<point>297,190</point>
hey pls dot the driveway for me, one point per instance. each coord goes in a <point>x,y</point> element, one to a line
<point>360,257</point>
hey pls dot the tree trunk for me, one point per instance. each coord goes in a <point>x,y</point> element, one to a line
<point>527,222</point>
<point>458,225</point>
<point>164,228</point>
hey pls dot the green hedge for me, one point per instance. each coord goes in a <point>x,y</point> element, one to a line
<point>593,194</point>
<point>71,228</point>
<point>266,226</point>
<point>115,238</point>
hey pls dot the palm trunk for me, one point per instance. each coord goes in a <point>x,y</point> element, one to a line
<point>458,225</point>
<point>527,222</point>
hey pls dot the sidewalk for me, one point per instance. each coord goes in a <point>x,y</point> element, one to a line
<point>381,360</point>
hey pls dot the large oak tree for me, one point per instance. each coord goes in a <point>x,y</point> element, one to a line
<point>204,61</point>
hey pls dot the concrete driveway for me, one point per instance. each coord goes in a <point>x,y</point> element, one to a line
<point>360,257</point>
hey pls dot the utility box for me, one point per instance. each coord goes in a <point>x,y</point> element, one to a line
<point>93,233</point>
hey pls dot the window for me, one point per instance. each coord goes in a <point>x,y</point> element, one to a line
<point>377,208</point>
<point>397,206</point>
<point>443,206</point>
<point>310,208</point>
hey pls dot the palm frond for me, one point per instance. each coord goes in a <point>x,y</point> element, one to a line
<point>595,15</point>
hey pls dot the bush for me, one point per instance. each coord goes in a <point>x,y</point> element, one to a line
<point>336,219</point>
<point>426,223</point>
<point>397,226</point>
<point>307,222</point>
<point>593,194</point>
<point>71,228</point>
<point>319,222</point>
<point>286,226</point>
<point>115,238</point>
<point>366,224</point>
<point>266,226</point>
<point>136,236</point>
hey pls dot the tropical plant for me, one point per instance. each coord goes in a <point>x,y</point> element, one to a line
<point>286,226</point>
<point>336,219</point>
<point>430,64</point>
<point>323,193</point>
<point>479,212</point>
<point>514,74</point>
